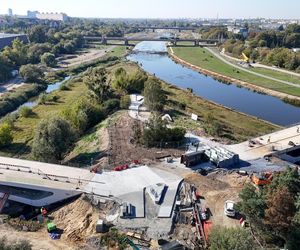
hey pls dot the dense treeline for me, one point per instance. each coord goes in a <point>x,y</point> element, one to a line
<point>269,47</point>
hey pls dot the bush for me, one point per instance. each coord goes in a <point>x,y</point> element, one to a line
<point>6,137</point>
<point>110,106</point>
<point>25,111</point>
<point>125,102</point>
<point>83,115</point>
<point>222,238</point>
<point>64,87</point>
<point>48,59</point>
<point>31,73</point>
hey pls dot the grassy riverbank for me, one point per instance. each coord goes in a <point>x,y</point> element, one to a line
<point>181,103</point>
<point>204,59</point>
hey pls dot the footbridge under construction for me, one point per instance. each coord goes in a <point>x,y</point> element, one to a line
<point>41,184</point>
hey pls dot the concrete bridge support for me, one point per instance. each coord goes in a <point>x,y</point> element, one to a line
<point>104,41</point>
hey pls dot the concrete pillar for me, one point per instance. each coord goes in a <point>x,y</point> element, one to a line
<point>104,41</point>
<point>126,42</point>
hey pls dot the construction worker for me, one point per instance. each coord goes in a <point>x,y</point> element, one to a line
<point>44,211</point>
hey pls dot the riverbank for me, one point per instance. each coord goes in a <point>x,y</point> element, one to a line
<point>222,77</point>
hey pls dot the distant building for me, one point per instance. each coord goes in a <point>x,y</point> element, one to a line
<point>10,12</point>
<point>52,16</point>
<point>7,39</point>
<point>32,14</point>
<point>238,30</point>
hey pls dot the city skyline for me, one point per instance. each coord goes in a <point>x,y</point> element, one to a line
<point>158,9</point>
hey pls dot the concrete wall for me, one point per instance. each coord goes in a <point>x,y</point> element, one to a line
<point>52,16</point>
<point>7,40</point>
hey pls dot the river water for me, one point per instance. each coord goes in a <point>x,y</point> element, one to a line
<point>51,87</point>
<point>266,107</point>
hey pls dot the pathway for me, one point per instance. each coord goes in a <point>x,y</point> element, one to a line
<point>251,72</point>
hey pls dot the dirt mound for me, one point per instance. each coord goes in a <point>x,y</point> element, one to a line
<point>206,184</point>
<point>77,220</point>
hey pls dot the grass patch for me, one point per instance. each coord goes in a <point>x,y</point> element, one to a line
<point>238,127</point>
<point>203,58</point>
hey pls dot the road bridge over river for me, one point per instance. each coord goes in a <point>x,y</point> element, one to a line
<point>172,40</point>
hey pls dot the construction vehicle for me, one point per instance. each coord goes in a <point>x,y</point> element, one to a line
<point>261,179</point>
<point>246,59</point>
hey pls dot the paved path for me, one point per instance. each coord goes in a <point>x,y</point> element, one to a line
<point>259,65</point>
<point>135,108</point>
<point>251,72</point>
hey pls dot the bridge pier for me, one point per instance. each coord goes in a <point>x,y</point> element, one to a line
<point>104,41</point>
<point>196,43</point>
<point>126,42</point>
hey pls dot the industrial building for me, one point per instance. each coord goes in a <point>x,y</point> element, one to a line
<point>47,16</point>
<point>7,39</point>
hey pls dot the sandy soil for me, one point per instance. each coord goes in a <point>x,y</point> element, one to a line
<point>39,240</point>
<point>82,57</point>
<point>216,189</point>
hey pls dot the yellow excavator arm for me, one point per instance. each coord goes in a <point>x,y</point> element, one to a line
<point>245,58</point>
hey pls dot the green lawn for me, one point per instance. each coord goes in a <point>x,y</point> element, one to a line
<point>278,75</point>
<point>203,58</point>
<point>238,127</point>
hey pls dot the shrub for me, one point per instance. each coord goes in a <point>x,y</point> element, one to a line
<point>5,134</point>
<point>111,105</point>
<point>25,111</point>
<point>125,102</point>
<point>64,87</point>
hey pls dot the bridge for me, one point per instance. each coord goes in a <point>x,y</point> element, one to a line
<point>174,41</point>
<point>153,28</point>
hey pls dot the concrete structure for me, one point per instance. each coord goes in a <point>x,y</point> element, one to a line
<point>52,16</point>
<point>238,31</point>
<point>174,41</point>
<point>10,12</point>
<point>267,144</point>
<point>7,39</point>
<point>153,28</point>
<point>32,14</point>
<point>291,155</point>
<point>40,184</point>
<point>222,157</point>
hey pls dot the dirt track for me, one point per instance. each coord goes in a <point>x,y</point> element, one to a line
<point>216,189</point>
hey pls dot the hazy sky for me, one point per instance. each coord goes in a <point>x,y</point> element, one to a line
<point>159,8</point>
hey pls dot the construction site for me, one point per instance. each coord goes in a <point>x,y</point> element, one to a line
<point>157,198</point>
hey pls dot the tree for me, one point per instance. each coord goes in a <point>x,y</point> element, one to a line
<point>31,73</point>
<point>96,81</point>
<point>5,68</point>
<point>37,34</point>
<point>222,238</point>
<point>252,203</point>
<point>52,139</point>
<point>48,59</point>
<point>154,95</point>
<point>281,211</point>
<point>121,81</point>
<point>17,53</point>
<point>5,134</point>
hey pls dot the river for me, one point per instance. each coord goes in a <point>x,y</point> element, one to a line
<point>266,107</point>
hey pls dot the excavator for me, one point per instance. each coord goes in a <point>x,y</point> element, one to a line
<point>261,179</point>
<point>246,59</point>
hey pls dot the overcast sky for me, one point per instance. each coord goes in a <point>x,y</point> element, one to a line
<point>160,8</point>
